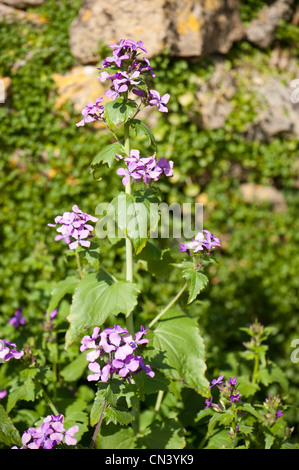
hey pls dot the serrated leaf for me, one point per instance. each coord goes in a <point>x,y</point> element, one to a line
<point>197,281</point>
<point>111,437</point>
<point>157,261</point>
<point>178,337</point>
<point>119,111</point>
<point>135,216</point>
<point>107,154</point>
<point>23,388</point>
<point>75,369</point>
<point>142,129</point>
<point>168,434</point>
<point>66,286</point>
<point>97,297</point>
<point>9,435</point>
<point>115,416</point>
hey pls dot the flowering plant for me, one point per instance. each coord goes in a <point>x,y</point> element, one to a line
<point>118,379</point>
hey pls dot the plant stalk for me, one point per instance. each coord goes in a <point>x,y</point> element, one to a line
<point>94,437</point>
<point>129,247</point>
<point>168,306</point>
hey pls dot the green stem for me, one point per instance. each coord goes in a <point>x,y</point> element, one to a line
<point>129,247</point>
<point>49,401</point>
<point>94,437</point>
<point>159,400</point>
<point>256,366</point>
<point>168,306</point>
<point>79,265</point>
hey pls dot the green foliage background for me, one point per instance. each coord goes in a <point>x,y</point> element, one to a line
<point>257,275</point>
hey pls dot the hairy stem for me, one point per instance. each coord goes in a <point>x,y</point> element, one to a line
<point>79,265</point>
<point>129,247</point>
<point>94,437</point>
<point>173,301</point>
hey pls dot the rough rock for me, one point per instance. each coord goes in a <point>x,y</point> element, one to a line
<point>80,85</point>
<point>22,3</point>
<point>261,31</point>
<point>214,97</point>
<point>187,29</point>
<point>278,116</point>
<point>5,83</point>
<point>252,192</point>
<point>11,14</point>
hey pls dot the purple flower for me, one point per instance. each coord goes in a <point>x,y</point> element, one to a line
<point>115,349</point>
<point>278,414</point>
<point>8,351</point>
<point>92,112</point>
<point>49,434</point>
<point>3,394</point>
<point>74,225</point>
<point>146,169</point>
<point>156,100</point>
<point>233,381</point>
<point>17,319</point>
<point>129,364</point>
<point>217,381</point>
<point>209,402</point>
<point>203,241</point>
<point>235,397</point>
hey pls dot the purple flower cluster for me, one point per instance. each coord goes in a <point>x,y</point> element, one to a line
<point>116,348</point>
<point>144,168</point>
<point>8,351</point>
<point>92,112</point>
<point>126,74</point>
<point>74,225</point>
<point>49,434</point>
<point>227,390</point>
<point>17,318</point>
<point>203,241</point>
<point>272,409</point>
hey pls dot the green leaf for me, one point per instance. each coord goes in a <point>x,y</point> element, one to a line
<point>9,435</point>
<point>75,369</point>
<point>23,388</point>
<point>155,260</point>
<point>97,297</point>
<point>269,439</point>
<point>107,154</point>
<point>197,281</point>
<point>115,416</point>
<point>136,215</point>
<point>168,434</point>
<point>142,129</point>
<point>111,437</point>
<point>119,111</point>
<point>178,337</point>
<point>66,286</point>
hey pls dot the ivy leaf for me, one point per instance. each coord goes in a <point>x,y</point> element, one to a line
<point>178,337</point>
<point>9,435</point>
<point>97,297</point>
<point>119,111</point>
<point>107,154</point>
